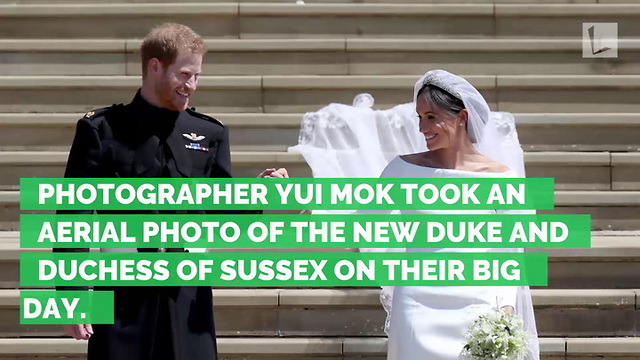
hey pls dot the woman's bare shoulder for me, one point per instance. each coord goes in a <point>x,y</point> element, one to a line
<point>492,166</point>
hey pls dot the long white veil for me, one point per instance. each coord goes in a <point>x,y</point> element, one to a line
<point>355,141</point>
<point>343,141</point>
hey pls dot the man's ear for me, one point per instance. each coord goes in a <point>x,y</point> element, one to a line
<point>154,67</point>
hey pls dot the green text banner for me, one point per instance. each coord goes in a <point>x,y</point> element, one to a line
<point>284,269</point>
<point>286,194</point>
<point>306,231</point>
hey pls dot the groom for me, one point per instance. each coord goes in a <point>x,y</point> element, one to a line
<point>156,135</point>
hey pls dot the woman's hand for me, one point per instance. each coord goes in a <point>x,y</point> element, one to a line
<point>508,309</point>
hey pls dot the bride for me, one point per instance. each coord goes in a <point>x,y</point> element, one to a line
<point>464,139</point>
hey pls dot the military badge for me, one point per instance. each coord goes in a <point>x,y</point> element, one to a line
<point>193,137</point>
<point>196,146</point>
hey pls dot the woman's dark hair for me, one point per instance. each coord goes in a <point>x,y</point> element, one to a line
<point>439,98</point>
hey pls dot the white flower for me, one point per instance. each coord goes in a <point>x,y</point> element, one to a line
<point>497,335</point>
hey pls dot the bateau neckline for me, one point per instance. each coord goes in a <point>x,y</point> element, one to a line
<point>455,170</point>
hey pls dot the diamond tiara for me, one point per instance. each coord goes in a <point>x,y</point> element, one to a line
<point>435,80</point>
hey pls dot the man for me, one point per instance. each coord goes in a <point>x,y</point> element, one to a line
<point>155,136</point>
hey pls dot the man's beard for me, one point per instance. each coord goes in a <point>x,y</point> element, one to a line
<point>166,96</point>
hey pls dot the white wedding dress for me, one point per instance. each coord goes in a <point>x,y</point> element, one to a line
<point>428,322</point>
<point>423,323</point>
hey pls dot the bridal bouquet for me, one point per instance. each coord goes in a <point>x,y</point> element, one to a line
<point>497,335</point>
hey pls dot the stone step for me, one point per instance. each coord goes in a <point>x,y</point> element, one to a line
<point>318,1</point>
<point>276,132</point>
<point>332,56</point>
<point>358,312</point>
<point>605,244</point>
<point>269,20</point>
<point>609,210</point>
<point>571,170</point>
<point>298,94</point>
<point>611,263</point>
<point>323,348</point>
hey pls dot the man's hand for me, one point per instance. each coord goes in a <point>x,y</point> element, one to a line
<point>273,173</point>
<point>79,331</point>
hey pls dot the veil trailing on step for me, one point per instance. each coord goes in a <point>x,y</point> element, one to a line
<point>356,141</point>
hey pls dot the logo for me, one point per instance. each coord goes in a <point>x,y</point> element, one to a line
<point>600,40</point>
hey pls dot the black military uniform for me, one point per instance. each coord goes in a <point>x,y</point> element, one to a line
<point>142,140</point>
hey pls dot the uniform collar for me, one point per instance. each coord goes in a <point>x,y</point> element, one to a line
<point>150,118</point>
<point>139,104</point>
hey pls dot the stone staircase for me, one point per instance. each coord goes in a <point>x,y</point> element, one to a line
<point>271,61</point>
